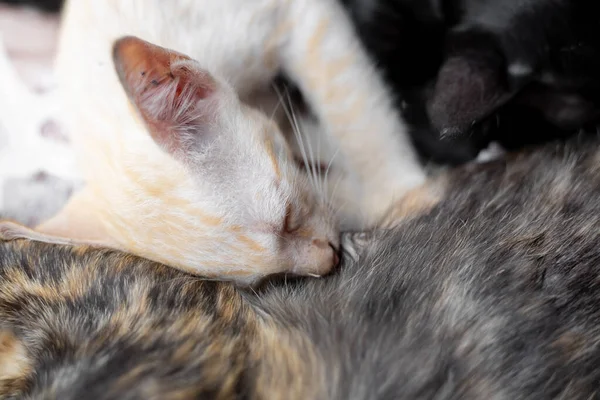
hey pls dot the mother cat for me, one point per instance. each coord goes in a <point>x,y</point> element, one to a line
<point>493,293</point>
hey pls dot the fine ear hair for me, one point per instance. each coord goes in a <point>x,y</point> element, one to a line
<point>176,98</point>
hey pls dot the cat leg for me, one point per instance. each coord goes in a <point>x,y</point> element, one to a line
<point>416,202</point>
<point>324,57</point>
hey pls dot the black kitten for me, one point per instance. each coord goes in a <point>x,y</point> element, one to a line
<point>482,70</point>
<point>45,5</point>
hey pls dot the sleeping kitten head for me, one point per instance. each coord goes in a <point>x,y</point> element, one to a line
<point>271,219</point>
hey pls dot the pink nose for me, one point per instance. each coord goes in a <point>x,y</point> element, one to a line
<point>322,244</point>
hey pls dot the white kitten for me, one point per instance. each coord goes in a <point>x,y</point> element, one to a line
<point>221,193</point>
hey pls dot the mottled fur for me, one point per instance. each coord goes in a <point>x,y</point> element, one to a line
<point>86,316</point>
<point>492,293</point>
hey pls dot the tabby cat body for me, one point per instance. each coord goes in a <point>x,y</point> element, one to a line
<point>493,293</point>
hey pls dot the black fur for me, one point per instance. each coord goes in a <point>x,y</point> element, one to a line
<point>45,5</point>
<point>450,63</point>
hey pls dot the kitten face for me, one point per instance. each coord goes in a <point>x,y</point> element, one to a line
<point>281,208</point>
<point>276,221</point>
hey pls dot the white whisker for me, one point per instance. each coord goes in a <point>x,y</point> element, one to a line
<point>326,178</point>
<point>312,161</point>
<point>337,182</point>
<point>320,171</point>
<point>279,102</point>
<point>300,138</point>
<point>295,131</point>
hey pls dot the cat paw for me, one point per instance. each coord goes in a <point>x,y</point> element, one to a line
<point>353,243</point>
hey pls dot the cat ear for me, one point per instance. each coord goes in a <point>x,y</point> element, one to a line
<point>175,98</point>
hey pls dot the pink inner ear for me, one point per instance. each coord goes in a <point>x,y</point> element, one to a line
<point>163,88</point>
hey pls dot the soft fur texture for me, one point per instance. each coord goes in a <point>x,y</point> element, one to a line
<point>518,72</point>
<point>234,187</point>
<point>493,293</point>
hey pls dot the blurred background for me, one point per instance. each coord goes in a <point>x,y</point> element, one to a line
<point>37,168</point>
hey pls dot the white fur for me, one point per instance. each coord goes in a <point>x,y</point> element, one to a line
<point>244,44</point>
<point>493,152</point>
<point>24,150</point>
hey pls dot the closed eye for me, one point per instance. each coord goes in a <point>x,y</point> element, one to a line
<point>289,224</point>
<point>319,167</point>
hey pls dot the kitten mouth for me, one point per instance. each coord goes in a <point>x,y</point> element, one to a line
<point>336,256</point>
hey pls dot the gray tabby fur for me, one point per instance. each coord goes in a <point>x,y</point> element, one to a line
<point>492,294</point>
